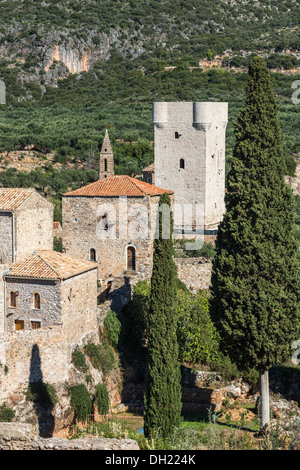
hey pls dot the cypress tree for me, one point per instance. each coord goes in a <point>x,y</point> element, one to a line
<point>163,380</point>
<point>255,302</point>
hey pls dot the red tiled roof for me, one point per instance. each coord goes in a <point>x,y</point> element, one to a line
<point>118,186</point>
<point>12,198</point>
<point>51,265</point>
<point>149,168</point>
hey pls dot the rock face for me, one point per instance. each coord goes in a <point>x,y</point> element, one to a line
<point>75,61</point>
<point>16,436</point>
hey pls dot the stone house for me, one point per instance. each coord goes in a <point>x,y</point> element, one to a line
<point>112,221</point>
<point>49,288</point>
<point>26,223</point>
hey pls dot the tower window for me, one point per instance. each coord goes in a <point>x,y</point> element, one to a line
<point>181,164</point>
<point>37,301</point>
<point>176,135</point>
<point>105,164</point>
<point>131,258</point>
<point>92,254</point>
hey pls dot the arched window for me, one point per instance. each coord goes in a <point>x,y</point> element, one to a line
<point>131,258</point>
<point>37,301</point>
<point>92,254</point>
<point>176,135</point>
<point>181,164</point>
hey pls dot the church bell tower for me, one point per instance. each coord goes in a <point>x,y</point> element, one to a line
<point>106,158</point>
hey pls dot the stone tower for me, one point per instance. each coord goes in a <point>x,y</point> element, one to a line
<point>189,149</point>
<point>106,158</point>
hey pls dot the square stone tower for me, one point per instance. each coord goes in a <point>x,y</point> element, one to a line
<point>189,149</point>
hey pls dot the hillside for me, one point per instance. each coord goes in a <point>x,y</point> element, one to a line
<point>42,42</point>
<point>73,69</point>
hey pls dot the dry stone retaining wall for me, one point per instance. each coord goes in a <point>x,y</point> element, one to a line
<point>195,273</point>
<point>17,436</point>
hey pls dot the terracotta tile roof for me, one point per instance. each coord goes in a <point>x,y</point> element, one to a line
<point>49,265</point>
<point>149,168</point>
<point>118,186</point>
<point>12,198</point>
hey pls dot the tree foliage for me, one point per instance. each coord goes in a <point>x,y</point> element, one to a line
<point>255,270</point>
<point>163,387</point>
<point>197,337</point>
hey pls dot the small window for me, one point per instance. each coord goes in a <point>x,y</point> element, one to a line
<point>176,135</point>
<point>19,325</point>
<point>181,164</point>
<point>131,258</point>
<point>92,254</point>
<point>13,299</point>
<point>105,163</point>
<point>35,325</point>
<point>37,301</point>
<point>103,222</point>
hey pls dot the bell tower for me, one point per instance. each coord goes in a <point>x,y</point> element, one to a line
<point>106,158</point>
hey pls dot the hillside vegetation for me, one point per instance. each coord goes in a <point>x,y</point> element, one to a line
<point>127,46</point>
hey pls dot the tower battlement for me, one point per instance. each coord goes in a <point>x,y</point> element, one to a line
<point>189,156</point>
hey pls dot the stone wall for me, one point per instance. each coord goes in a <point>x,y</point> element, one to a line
<point>50,303</point>
<point>6,237</point>
<point>32,355</point>
<point>82,231</point>
<point>195,273</point>
<point>17,436</point>
<point>3,268</point>
<point>79,305</point>
<point>34,217</point>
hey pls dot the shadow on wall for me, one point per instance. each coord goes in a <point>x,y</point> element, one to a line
<point>42,395</point>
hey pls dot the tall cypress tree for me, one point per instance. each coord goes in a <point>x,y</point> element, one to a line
<point>255,288</point>
<point>163,388</point>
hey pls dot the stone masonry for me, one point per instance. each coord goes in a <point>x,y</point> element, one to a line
<point>17,436</point>
<point>189,152</point>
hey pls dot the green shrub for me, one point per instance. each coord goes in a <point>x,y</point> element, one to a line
<point>80,402</point>
<point>102,400</point>
<point>227,369</point>
<point>135,316</point>
<point>42,393</point>
<point>112,328</point>
<point>92,351</point>
<point>78,360</point>
<point>101,356</point>
<point>197,337</point>
<point>57,244</point>
<point>107,357</point>
<point>6,414</point>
